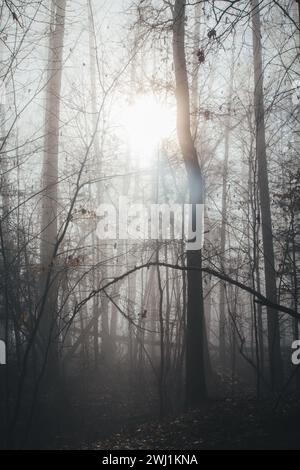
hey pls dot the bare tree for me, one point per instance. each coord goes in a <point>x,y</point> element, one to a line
<point>275,359</point>
<point>195,330</point>
<point>50,180</point>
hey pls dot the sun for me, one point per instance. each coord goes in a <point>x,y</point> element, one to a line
<point>147,122</point>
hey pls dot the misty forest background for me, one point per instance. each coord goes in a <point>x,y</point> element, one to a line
<point>136,343</point>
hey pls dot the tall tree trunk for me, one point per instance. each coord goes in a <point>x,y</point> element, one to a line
<point>275,359</point>
<point>222,322</point>
<point>97,157</point>
<point>50,181</point>
<point>253,235</point>
<point>195,330</point>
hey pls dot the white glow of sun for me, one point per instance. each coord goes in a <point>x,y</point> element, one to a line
<point>148,122</point>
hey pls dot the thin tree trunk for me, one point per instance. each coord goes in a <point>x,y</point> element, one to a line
<point>222,322</point>
<point>98,164</point>
<point>275,359</point>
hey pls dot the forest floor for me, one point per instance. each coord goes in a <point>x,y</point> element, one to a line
<point>239,423</point>
<point>103,416</point>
